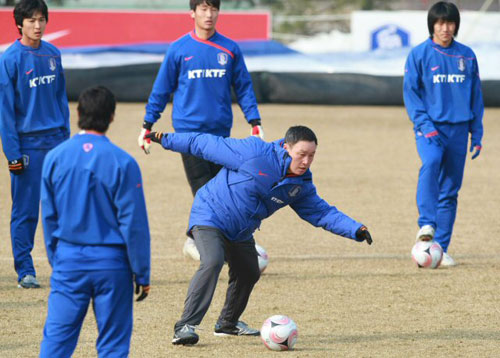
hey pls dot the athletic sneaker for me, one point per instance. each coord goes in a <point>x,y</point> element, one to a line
<point>448,260</point>
<point>426,233</point>
<point>28,281</point>
<point>240,329</point>
<point>185,335</point>
<point>189,250</point>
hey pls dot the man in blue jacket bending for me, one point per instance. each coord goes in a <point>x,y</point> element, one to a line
<point>257,179</point>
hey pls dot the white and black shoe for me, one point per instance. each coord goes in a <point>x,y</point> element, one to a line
<point>185,335</point>
<point>240,329</point>
<point>426,233</point>
<point>28,281</point>
<point>447,260</point>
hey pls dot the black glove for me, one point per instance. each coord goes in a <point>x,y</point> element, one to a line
<point>362,234</point>
<point>155,136</point>
<point>142,291</point>
<point>16,166</point>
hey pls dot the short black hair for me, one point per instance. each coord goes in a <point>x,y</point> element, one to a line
<point>297,133</point>
<point>194,3</point>
<point>445,11</point>
<point>96,106</point>
<point>25,9</point>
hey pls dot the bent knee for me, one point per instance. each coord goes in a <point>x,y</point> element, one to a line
<point>212,264</point>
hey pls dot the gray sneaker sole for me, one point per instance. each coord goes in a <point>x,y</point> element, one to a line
<point>222,334</point>
<point>27,286</point>
<point>185,341</point>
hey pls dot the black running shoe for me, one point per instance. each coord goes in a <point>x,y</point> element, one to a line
<point>240,329</point>
<point>185,335</point>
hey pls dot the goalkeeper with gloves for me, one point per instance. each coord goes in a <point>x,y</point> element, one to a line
<point>199,70</point>
<point>257,179</point>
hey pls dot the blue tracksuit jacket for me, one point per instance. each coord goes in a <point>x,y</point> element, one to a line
<point>32,96</point>
<point>200,74</point>
<point>93,209</point>
<point>442,85</point>
<point>252,185</point>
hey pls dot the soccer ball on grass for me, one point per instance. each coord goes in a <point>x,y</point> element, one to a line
<point>427,254</point>
<point>279,333</point>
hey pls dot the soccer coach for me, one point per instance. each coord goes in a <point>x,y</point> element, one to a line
<point>257,179</point>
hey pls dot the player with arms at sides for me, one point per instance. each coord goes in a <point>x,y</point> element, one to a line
<point>442,94</point>
<point>199,69</point>
<point>96,234</point>
<point>257,179</point>
<point>34,118</point>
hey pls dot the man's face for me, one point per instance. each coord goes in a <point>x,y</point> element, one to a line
<point>33,28</point>
<point>443,32</point>
<point>205,17</point>
<point>302,154</point>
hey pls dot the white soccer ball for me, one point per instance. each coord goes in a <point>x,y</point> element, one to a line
<point>427,254</point>
<point>279,333</point>
<point>263,257</point>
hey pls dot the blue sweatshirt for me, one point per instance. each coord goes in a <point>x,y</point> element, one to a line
<point>252,185</point>
<point>441,84</point>
<point>200,74</point>
<point>32,95</point>
<point>93,209</point>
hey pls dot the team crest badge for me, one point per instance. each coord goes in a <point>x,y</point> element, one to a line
<point>222,58</point>
<point>52,64</point>
<point>461,64</point>
<point>295,191</point>
<point>87,147</point>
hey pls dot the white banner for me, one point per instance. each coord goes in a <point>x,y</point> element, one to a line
<point>394,29</point>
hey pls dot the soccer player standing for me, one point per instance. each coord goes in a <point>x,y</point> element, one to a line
<point>199,69</point>
<point>442,94</point>
<point>257,179</point>
<point>34,118</point>
<point>96,234</point>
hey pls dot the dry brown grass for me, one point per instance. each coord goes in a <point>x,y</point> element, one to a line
<point>348,299</point>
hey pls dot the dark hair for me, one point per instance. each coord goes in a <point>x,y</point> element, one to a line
<point>25,9</point>
<point>194,3</point>
<point>445,11</point>
<point>96,107</point>
<point>297,133</point>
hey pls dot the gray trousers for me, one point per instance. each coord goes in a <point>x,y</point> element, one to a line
<point>244,272</point>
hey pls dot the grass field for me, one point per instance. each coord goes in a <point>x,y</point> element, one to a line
<point>348,299</point>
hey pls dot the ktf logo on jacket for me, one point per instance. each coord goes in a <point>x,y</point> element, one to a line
<point>206,73</point>
<point>42,80</point>
<point>222,58</point>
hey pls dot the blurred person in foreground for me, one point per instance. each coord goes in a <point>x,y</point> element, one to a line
<point>200,69</point>
<point>34,118</point>
<point>257,179</point>
<point>96,234</point>
<point>442,94</point>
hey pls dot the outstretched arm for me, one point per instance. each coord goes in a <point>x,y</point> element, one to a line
<point>228,152</point>
<point>319,213</point>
